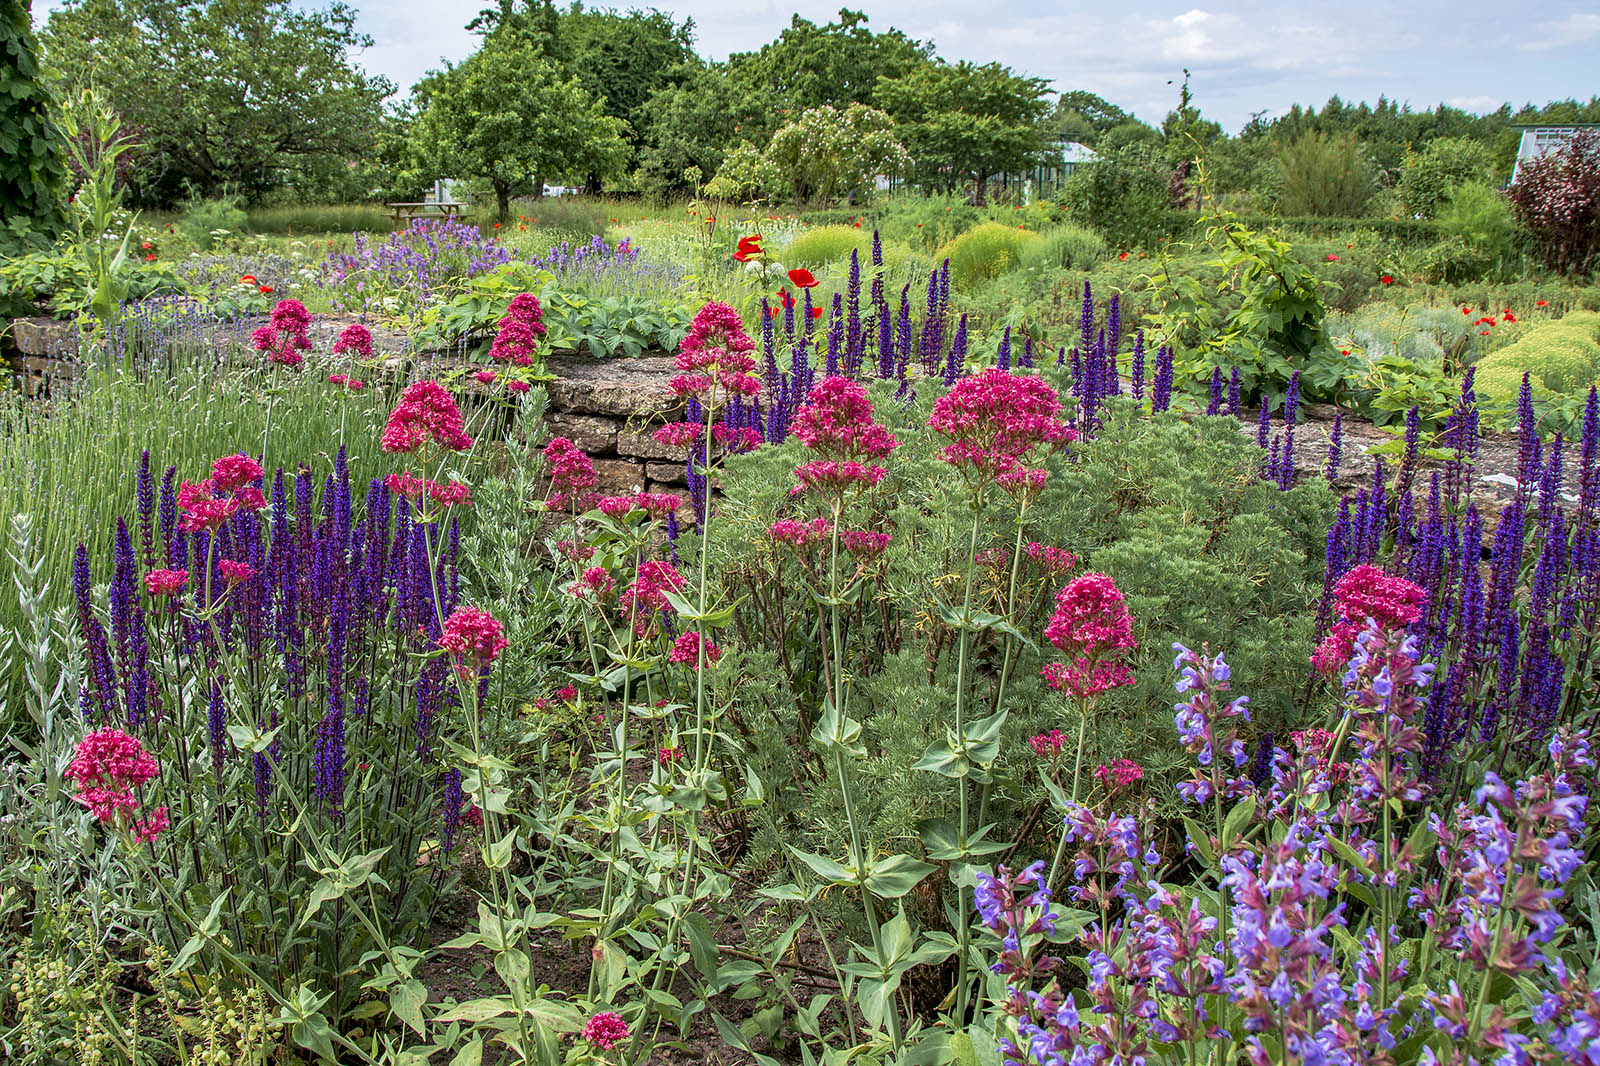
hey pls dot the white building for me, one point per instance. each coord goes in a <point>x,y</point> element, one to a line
<point>1539,141</point>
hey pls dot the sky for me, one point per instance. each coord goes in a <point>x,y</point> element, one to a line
<point>1243,57</point>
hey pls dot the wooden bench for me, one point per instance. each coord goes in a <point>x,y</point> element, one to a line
<point>405,212</point>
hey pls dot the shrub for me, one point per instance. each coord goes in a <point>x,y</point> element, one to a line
<point>313,218</point>
<point>1324,174</point>
<point>1557,197</point>
<point>1068,246</point>
<point>985,251</point>
<point>1430,176</point>
<point>1561,358</point>
<point>820,245</point>
<point>1124,194</point>
<point>204,221</point>
<point>1480,218</point>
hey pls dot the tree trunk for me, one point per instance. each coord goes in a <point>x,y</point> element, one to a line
<point>978,199</point>
<point>502,194</point>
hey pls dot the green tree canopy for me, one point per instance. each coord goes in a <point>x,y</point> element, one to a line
<point>508,116</point>
<point>247,94</point>
<point>809,66</point>
<point>1083,116</point>
<point>690,124</point>
<point>32,162</point>
<point>827,153</point>
<point>965,122</point>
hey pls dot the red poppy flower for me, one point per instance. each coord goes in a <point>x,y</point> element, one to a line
<point>1466,310</point>
<point>1483,333</point>
<point>802,278</point>
<point>1387,279</point>
<point>1332,258</point>
<point>265,289</point>
<point>1344,351</point>
<point>788,301</point>
<point>816,312</point>
<point>147,246</point>
<point>248,279</point>
<point>749,248</point>
<point>1541,303</point>
<point>1509,317</point>
<point>1349,246</point>
<point>857,224</point>
<point>148,258</point>
<point>497,225</point>
<point>772,312</point>
<point>1124,255</point>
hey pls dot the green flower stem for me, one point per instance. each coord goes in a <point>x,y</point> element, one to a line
<point>963,926</point>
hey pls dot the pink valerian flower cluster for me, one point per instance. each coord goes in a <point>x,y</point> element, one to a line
<point>678,434</point>
<point>519,331</point>
<point>798,534</point>
<point>998,422</point>
<point>234,572</point>
<point>484,377</point>
<point>229,490</point>
<point>165,582</point>
<point>572,476</point>
<point>656,505</point>
<point>1366,592</point>
<point>737,439</point>
<point>605,1030</point>
<point>474,638</point>
<point>347,381</point>
<point>836,422</point>
<point>354,339</point>
<point>106,771</point>
<point>668,756</point>
<point>833,478</point>
<point>285,337</point>
<point>567,694</point>
<point>1091,624</point>
<point>864,543</point>
<point>1119,774</point>
<point>688,649</point>
<point>595,585</point>
<point>715,355</point>
<point>449,494</point>
<point>426,414</point>
<point>575,552</point>
<point>645,599</point>
<point>1055,562</point>
<point>1047,745</point>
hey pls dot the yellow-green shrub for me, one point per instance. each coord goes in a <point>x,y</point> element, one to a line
<point>1561,358</point>
<point>1066,246</point>
<point>984,252</point>
<point>821,245</point>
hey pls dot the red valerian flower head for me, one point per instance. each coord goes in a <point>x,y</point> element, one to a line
<point>687,649</point>
<point>1366,593</point>
<point>1091,618</point>
<point>234,572</point>
<point>165,582</point>
<point>225,493</point>
<point>107,768</point>
<point>354,339</point>
<point>802,278</point>
<point>571,471</point>
<point>995,421</point>
<point>605,1030</point>
<point>474,638</point>
<point>426,414</point>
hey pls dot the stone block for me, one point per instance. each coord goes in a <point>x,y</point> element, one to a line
<point>623,388</point>
<point>592,433</point>
<point>618,476</point>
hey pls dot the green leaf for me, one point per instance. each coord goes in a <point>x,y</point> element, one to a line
<point>1200,839</point>
<point>896,875</point>
<point>471,1055</point>
<point>827,869</point>
<point>406,1000</point>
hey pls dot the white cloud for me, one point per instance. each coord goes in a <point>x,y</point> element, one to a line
<point>1577,28</point>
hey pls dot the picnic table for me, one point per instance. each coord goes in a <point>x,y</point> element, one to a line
<point>405,212</point>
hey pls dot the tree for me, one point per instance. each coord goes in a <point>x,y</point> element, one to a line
<point>809,66</point>
<point>967,122</point>
<point>1429,176</point>
<point>1082,116</point>
<point>827,153</point>
<point>508,116</point>
<point>624,60</point>
<point>1324,174</point>
<point>690,124</point>
<point>33,171</point>
<point>245,94</point>
<point>1557,198</point>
